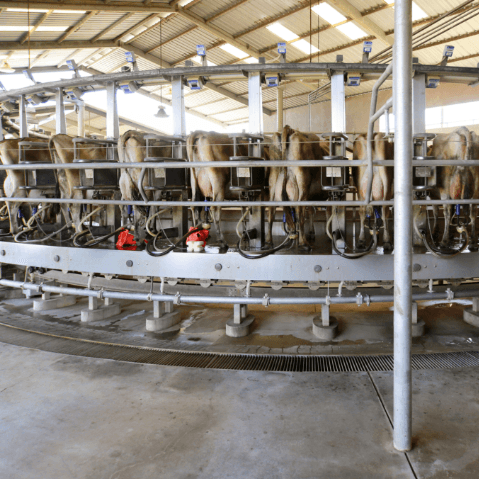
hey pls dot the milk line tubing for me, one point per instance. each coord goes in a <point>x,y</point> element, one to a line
<point>183,299</point>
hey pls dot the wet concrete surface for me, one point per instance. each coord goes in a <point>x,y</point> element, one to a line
<point>69,417</point>
<point>279,330</point>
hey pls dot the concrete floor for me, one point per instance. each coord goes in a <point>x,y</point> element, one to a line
<point>69,417</point>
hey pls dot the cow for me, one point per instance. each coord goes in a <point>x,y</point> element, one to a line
<point>382,186</point>
<point>211,182</point>
<point>295,183</point>
<point>62,152</point>
<point>132,149</point>
<point>456,182</point>
<point>15,179</point>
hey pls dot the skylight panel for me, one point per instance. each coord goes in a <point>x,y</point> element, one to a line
<point>52,29</point>
<point>305,46</point>
<point>352,31</point>
<point>236,52</point>
<point>328,13</point>
<point>251,60</point>
<point>24,28</point>
<point>417,12</point>
<point>282,32</point>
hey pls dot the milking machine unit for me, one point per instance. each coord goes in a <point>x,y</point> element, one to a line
<point>335,182</point>
<point>103,223</point>
<point>248,182</point>
<point>44,182</point>
<point>166,184</point>
<point>425,219</point>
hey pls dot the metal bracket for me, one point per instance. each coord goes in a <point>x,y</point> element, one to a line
<point>359,299</point>
<point>450,294</point>
<point>266,300</point>
<point>177,299</point>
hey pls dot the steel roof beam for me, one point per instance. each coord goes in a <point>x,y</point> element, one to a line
<point>48,45</point>
<point>90,5</point>
<point>77,26</point>
<point>42,19</point>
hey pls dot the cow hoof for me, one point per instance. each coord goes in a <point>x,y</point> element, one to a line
<point>304,247</point>
<point>473,247</point>
<point>387,246</point>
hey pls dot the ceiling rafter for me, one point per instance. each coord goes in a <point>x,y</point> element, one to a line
<point>77,25</point>
<point>90,5</point>
<point>172,38</point>
<point>39,58</point>
<point>42,19</point>
<point>49,45</point>
<point>366,23</point>
<point>60,64</point>
<point>112,26</point>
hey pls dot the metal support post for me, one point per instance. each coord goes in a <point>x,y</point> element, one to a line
<point>239,325</point>
<point>60,120</point>
<point>95,312</point>
<point>418,325</point>
<point>178,102</point>
<point>419,126</point>
<point>471,315</point>
<point>180,213</point>
<point>255,104</point>
<point>81,118</point>
<point>112,120</point>
<point>338,123</point>
<point>23,117</point>
<point>325,327</point>
<point>279,109</point>
<point>402,94</point>
<point>164,316</point>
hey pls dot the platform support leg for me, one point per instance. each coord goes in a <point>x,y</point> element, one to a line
<point>418,326</point>
<point>95,312</point>
<point>48,301</point>
<point>164,316</point>
<point>325,327</point>
<point>240,324</point>
<point>471,315</point>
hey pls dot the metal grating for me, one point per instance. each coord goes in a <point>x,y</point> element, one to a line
<point>237,362</point>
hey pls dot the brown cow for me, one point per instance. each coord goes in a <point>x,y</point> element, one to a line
<point>297,183</point>
<point>211,182</point>
<point>62,151</point>
<point>132,149</point>
<point>457,182</point>
<point>9,155</point>
<point>383,177</point>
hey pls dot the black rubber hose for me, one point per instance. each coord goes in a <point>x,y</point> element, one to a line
<point>263,254</point>
<point>372,246</point>
<point>157,254</point>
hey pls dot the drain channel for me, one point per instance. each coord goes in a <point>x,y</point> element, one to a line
<point>238,362</point>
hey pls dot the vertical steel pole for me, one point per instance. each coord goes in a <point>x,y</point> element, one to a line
<point>23,117</point>
<point>419,103</point>
<point>255,104</point>
<point>402,93</point>
<point>112,120</point>
<point>279,109</point>
<point>178,101</point>
<point>338,103</point>
<point>60,120</point>
<point>81,118</point>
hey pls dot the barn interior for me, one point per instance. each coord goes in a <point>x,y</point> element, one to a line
<point>306,307</point>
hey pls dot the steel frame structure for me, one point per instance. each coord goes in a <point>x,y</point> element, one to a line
<point>403,266</point>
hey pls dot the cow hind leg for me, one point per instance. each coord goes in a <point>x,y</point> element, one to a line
<point>387,241</point>
<point>270,213</point>
<point>473,240</point>
<point>303,242</point>
<point>362,234</point>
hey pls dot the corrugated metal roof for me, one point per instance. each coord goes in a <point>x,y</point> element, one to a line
<point>238,19</point>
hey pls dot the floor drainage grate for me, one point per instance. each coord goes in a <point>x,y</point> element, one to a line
<point>239,362</point>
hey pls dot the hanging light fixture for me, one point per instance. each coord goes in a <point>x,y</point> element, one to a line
<point>161,113</point>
